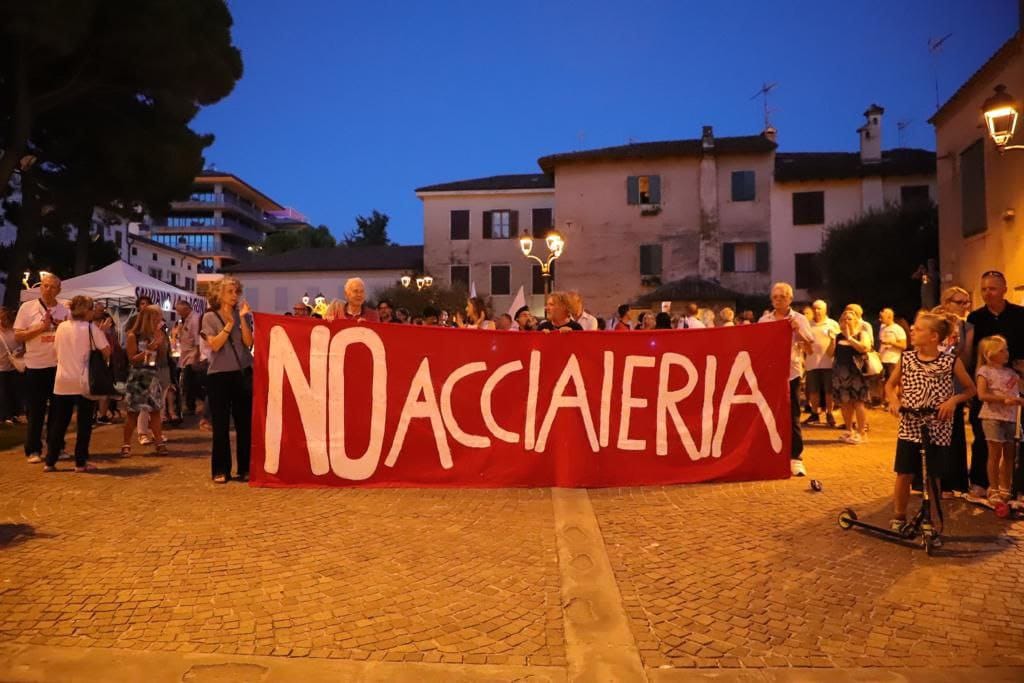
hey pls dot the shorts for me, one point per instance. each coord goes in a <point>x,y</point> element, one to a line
<point>908,459</point>
<point>819,382</point>
<point>998,430</point>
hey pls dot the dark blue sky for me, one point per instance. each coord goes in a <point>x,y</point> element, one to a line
<point>346,107</point>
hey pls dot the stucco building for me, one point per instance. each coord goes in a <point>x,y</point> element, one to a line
<point>981,188</point>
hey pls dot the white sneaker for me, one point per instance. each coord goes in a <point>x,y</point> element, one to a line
<point>34,459</point>
<point>851,438</point>
<point>145,439</point>
<point>797,469</point>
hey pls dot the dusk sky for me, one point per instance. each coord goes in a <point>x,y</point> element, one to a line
<point>346,107</point>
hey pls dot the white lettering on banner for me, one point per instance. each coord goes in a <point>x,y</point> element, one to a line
<point>467,440</point>
<point>427,408</point>
<point>571,372</point>
<point>485,401</point>
<point>629,402</point>
<point>310,396</point>
<point>365,465</point>
<point>320,399</point>
<point>741,368</point>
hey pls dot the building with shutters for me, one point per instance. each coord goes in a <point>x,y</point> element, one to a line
<point>813,190</point>
<point>717,216</point>
<point>471,234</point>
<point>981,188</point>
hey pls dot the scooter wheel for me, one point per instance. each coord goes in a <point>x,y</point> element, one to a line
<point>846,519</point>
<point>1002,510</point>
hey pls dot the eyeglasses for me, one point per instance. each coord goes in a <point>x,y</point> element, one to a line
<point>993,273</point>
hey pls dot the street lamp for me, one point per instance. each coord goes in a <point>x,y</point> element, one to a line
<point>1001,112</point>
<point>555,244</point>
<point>421,281</point>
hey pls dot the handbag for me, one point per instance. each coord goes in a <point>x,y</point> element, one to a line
<point>871,365</point>
<point>17,361</point>
<point>101,376</point>
<point>246,372</point>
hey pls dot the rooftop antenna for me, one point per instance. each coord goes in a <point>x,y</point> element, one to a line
<point>901,127</point>
<point>934,47</point>
<point>763,94</point>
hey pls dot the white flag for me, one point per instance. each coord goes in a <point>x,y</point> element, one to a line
<point>472,289</point>
<point>517,302</point>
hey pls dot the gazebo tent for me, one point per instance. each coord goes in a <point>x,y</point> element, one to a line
<point>119,285</point>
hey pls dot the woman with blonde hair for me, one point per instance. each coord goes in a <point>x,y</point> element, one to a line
<point>73,342</point>
<point>148,374</point>
<point>228,331</point>
<point>956,304</point>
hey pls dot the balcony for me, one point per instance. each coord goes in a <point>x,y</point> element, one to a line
<point>222,201</point>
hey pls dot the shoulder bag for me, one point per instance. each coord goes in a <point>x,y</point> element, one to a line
<point>17,361</point>
<point>101,376</point>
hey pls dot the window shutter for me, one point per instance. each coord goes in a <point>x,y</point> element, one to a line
<point>487,225</point>
<point>763,260</point>
<point>632,190</point>
<point>513,224</point>
<point>728,257</point>
<point>655,181</point>
<point>751,185</point>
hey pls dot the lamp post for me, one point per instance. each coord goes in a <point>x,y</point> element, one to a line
<point>1001,112</point>
<point>555,244</point>
<point>421,281</point>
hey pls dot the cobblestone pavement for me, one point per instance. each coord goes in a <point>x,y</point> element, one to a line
<point>146,554</point>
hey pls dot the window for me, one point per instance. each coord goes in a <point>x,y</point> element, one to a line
<point>189,266</point>
<point>745,257</point>
<point>460,276</point>
<point>173,263</point>
<point>460,225</point>
<point>808,271</point>
<point>501,279</point>
<point>135,251</point>
<point>156,272</point>
<point>206,265</point>
<point>188,242</point>
<point>808,208</point>
<point>643,189</point>
<point>154,257</point>
<point>117,237</point>
<point>914,195</point>
<point>543,222</point>
<point>538,279</point>
<point>650,259</point>
<point>972,190</point>
<point>200,196</point>
<point>188,221</point>
<point>500,225</point>
<point>190,284</point>
<point>174,279</point>
<point>743,186</point>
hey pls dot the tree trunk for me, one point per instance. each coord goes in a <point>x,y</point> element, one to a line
<point>28,231</point>
<point>21,121</point>
<point>83,235</point>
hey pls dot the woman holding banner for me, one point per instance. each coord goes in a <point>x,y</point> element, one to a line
<point>227,330</point>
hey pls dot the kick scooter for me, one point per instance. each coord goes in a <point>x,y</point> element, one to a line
<point>1014,509</point>
<point>921,525</point>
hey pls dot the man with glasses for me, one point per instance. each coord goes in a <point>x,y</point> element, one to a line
<point>997,316</point>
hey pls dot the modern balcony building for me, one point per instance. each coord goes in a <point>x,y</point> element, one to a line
<point>222,220</point>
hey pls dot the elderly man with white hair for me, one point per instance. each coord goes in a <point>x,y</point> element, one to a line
<point>355,302</point>
<point>36,328</point>
<point>782,298</point>
<point>818,363</point>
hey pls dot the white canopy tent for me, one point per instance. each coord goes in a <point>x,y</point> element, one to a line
<point>119,285</point>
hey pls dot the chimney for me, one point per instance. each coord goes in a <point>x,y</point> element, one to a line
<point>707,139</point>
<point>871,135</point>
<point>771,134</point>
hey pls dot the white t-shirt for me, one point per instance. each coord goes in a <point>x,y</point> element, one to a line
<point>72,347</point>
<point>887,334</point>
<point>1002,382</point>
<point>801,335</point>
<point>824,332</point>
<point>39,351</point>
<point>690,322</point>
<point>587,321</point>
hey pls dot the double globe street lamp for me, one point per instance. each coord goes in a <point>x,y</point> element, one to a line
<point>555,244</point>
<point>421,281</point>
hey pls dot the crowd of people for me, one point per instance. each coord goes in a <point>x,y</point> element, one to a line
<point>951,360</point>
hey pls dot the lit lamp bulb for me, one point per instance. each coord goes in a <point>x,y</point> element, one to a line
<point>405,280</point>
<point>526,244</point>
<point>427,281</point>
<point>555,242</point>
<point>419,283</point>
<point>24,280</point>
<point>1000,116</point>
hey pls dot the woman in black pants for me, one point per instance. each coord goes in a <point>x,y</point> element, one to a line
<point>228,331</point>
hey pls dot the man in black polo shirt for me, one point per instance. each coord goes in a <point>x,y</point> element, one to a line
<point>997,316</point>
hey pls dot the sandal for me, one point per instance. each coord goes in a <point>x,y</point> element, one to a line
<point>86,468</point>
<point>126,450</point>
<point>220,479</point>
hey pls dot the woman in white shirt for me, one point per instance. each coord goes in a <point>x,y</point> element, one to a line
<point>70,388</point>
<point>476,315</point>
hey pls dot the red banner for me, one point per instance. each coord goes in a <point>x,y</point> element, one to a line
<point>347,404</point>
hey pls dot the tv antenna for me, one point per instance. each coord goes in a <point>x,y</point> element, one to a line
<point>901,127</point>
<point>935,47</point>
<point>763,94</point>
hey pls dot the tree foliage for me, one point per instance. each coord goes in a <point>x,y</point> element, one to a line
<point>871,259</point>
<point>280,242</point>
<point>96,97</point>
<point>370,230</point>
<point>441,298</point>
